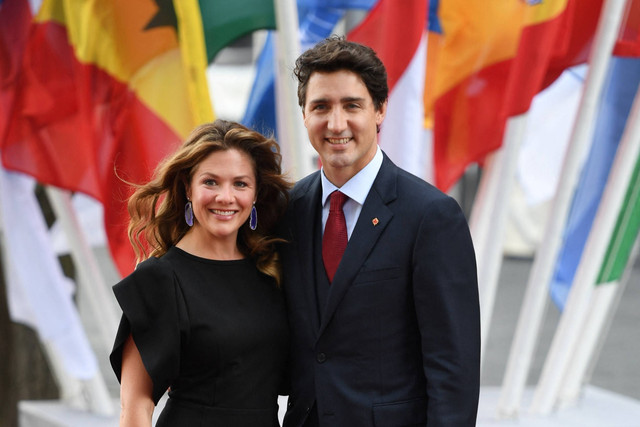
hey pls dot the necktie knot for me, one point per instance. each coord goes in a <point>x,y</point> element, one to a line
<point>337,201</point>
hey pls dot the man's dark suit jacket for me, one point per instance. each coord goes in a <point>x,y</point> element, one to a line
<point>395,339</point>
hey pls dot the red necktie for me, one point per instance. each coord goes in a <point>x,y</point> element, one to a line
<point>335,237</point>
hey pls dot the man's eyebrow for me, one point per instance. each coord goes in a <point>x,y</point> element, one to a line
<point>352,99</point>
<point>345,99</point>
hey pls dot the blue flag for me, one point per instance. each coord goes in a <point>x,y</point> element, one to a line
<point>622,83</point>
<point>317,19</point>
<point>261,107</point>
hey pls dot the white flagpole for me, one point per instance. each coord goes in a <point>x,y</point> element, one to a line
<point>599,342</point>
<point>298,157</point>
<point>596,314</point>
<point>564,341</point>
<point>489,217</point>
<point>534,303</point>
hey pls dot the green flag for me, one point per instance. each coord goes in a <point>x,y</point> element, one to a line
<point>624,234</point>
<point>224,21</point>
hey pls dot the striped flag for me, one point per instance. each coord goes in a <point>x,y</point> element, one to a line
<point>40,297</point>
<point>398,35</point>
<point>97,93</point>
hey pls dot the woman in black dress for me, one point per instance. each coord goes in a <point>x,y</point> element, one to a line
<point>203,316</point>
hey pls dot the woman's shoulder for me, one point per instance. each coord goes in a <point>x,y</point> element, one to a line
<point>154,271</point>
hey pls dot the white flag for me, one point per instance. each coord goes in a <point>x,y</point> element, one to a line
<point>38,292</point>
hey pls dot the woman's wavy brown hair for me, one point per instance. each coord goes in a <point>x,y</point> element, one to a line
<point>157,208</point>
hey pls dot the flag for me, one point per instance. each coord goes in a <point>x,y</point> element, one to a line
<point>625,234</point>
<point>434,43</point>
<point>224,21</point>
<point>317,19</point>
<point>622,82</point>
<point>260,113</point>
<point>494,57</point>
<point>38,292</point>
<point>549,124</point>
<point>398,35</point>
<point>95,94</point>
<point>628,43</point>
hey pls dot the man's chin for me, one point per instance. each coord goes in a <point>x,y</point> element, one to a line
<point>338,161</point>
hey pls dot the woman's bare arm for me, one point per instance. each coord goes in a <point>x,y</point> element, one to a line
<point>136,387</point>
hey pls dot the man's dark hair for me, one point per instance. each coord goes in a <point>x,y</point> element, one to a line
<point>335,53</point>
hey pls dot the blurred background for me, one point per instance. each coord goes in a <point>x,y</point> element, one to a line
<point>526,112</point>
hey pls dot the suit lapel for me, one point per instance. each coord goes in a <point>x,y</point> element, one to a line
<point>306,212</point>
<point>374,218</point>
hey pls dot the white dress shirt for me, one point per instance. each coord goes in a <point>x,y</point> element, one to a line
<point>357,189</point>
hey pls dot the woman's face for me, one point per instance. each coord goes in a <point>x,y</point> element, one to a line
<point>222,191</point>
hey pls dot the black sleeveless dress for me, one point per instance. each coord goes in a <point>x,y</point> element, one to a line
<point>214,332</point>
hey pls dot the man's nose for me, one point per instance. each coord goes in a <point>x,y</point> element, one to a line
<point>337,120</point>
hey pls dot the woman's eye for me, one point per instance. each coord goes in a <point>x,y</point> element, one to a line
<point>241,184</point>
<point>209,182</point>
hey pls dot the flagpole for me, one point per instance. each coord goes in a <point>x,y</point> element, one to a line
<point>534,303</point>
<point>604,294</point>
<point>299,160</point>
<point>85,394</point>
<point>489,217</point>
<point>604,301</point>
<point>94,392</point>
<point>565,339</point>
<point>582,377</point>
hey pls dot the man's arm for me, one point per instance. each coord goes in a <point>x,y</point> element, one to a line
<point>447,307</point>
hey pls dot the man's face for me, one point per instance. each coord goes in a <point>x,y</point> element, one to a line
<point>341,121</point>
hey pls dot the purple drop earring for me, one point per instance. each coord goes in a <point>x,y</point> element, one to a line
<point>188,213</point>
<point>253,218</point>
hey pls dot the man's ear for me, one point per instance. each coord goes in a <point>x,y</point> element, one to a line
<point>381,113</point>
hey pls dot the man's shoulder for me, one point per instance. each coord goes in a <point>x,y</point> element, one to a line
<point>304,185</point>
<point>411,186</point>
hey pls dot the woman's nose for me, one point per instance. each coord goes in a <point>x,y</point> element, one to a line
<point>224,194</point>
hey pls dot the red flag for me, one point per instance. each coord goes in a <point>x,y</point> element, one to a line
<point>493,59</point>
<point>395,30</point>
<point>628,43</point>
<point>96,94</point>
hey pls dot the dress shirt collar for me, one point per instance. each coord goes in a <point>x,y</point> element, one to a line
<point>357,188</point>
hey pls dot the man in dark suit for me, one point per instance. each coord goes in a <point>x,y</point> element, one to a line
<point>386,333</point>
